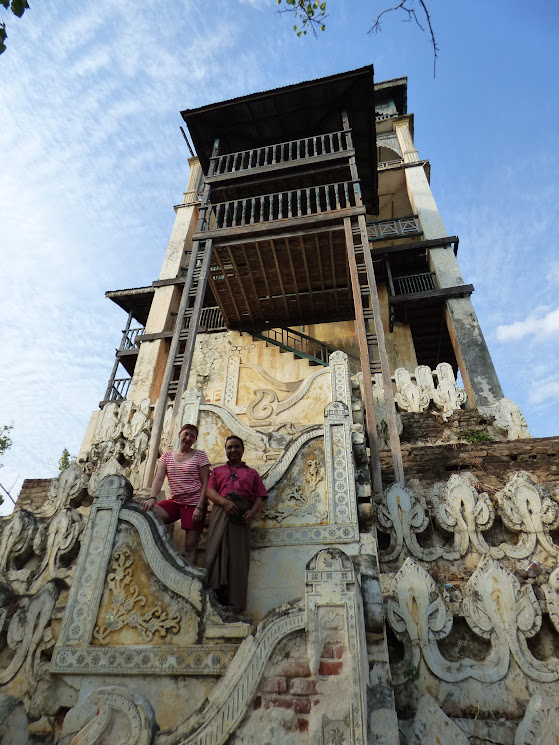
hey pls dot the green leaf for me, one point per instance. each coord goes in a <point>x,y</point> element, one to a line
<point>323,27</point>
<point>323,7</point>
<point>299,33</point>
<point>19,7</point>
<point>5,3</point>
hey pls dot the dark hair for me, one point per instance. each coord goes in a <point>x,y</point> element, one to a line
<point>189,426</point>
<point>235,437</point>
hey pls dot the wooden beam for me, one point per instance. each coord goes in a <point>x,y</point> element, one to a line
<point>241,285</point>
<point>265,276</point>
<point>319,259</point>
<point>309,285</point>
<point>290,257</point>
<point>251,278</point>
<point>441,294</point>
<point>385,365</point>
<point>228,283</point>
<point>277,167</point>
<point>334,281</point>
<point>378,253</point>
<point>360,332</point>
<point>279,278</point>
<point>279,225</point>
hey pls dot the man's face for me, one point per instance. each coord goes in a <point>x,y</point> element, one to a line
<point>233,450</point>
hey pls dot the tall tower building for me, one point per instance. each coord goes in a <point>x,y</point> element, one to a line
<point>403,584</point>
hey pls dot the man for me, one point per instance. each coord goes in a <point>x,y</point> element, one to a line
<point>237,493</point>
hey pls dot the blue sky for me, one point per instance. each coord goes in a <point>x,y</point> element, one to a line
<point>93,161</point>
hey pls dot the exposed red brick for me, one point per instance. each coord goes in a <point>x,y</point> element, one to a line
<point>274,685</point>
<point>333,651</point>
<point>302,687</point>
<point>299,705</point>
<point>294,669</point>
<point>302,724</point>
<point>330,667</point>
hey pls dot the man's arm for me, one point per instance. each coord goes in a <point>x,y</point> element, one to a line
<point>215,497</point>
<point>249,516</point>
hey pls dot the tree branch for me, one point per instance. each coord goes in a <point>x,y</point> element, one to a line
<point>407,6</point>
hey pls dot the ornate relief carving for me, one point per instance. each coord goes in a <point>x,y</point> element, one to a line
<point>124,716</point>
<point>526,510</point>
<point>16,543</point>
<point>403,517</point>
<point>380,413</point>
<point>126,603</point>
<point>334,615</point>
<point>234,693</point>
<point>431,726</point>
<point>509,420</point>
<point>120,442</point>
<point>68,490</point>
<point>300,498</point>
<point>465,513</point>
<point>231,381</point>
<point>28,633</point>
<point>540,725</point>
<point>447,396</point>
<point>262,408</point>
<point>57,539</point>
<point>340,471</point>
<point>409,396</point>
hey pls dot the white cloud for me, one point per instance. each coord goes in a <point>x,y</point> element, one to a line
<point>544,392</point>
<point>542,328</point>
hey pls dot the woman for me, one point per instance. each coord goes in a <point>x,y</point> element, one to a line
<point>187,472</point>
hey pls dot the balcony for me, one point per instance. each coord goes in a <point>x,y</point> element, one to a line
<point>298,152</point>
<point>129,339</point>
<point>412,283</point>
<point>313,201</point>
<point>118,390</point>
<point>384,230</point>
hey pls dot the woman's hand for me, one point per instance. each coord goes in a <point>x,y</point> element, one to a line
<point>148,504</point>
<point>198,515</point>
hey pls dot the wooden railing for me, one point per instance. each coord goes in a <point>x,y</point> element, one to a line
<point>304,346</point>
<point>278,154</point>
<point>411,283</point>
<point>119,389</point>
<point>282,205</point>
<point>129,338</point>
<point>210,320</point>
<point>383,230</point>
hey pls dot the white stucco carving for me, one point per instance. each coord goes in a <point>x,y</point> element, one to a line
<point>540,725</point>
<point>525,510</point>
<point>447,396</point>
<point>431,726</point>
<point>409,396</point>
<point>123,718</point>
<point>403,517</point>
<point>465,513</point>
<point>509,420</point>
<point>18,533</point>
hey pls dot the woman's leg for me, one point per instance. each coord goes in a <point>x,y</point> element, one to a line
<point>191,539</point>
<point>163,514</point>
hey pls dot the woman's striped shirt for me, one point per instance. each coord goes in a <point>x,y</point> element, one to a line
<point>184,480</point>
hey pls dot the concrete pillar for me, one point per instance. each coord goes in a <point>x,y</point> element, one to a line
<point>475,363</point>
<point>152,357</point>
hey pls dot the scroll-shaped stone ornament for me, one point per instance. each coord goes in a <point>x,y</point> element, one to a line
<point>447,396</point>
<point>419,616</point>
<point>497,608</point>
<point>123,718</point>
<point>18,532</point>
<point>465,513</point>
<point>58,539</point>
<point>431,726</point>
<point>540,725</point>
<point>28,633</point>
<point>551,592</point>
<point>526,510</point>
<point>509,420</point>
<point>403,517</point>
<point>409,396</point>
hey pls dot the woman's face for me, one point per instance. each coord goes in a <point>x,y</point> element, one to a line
<point>187,438</point>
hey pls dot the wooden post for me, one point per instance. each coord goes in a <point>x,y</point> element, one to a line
<point>159,413</point>
<point>365,362</point>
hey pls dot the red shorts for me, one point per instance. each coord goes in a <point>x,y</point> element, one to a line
<point>184,512</point>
